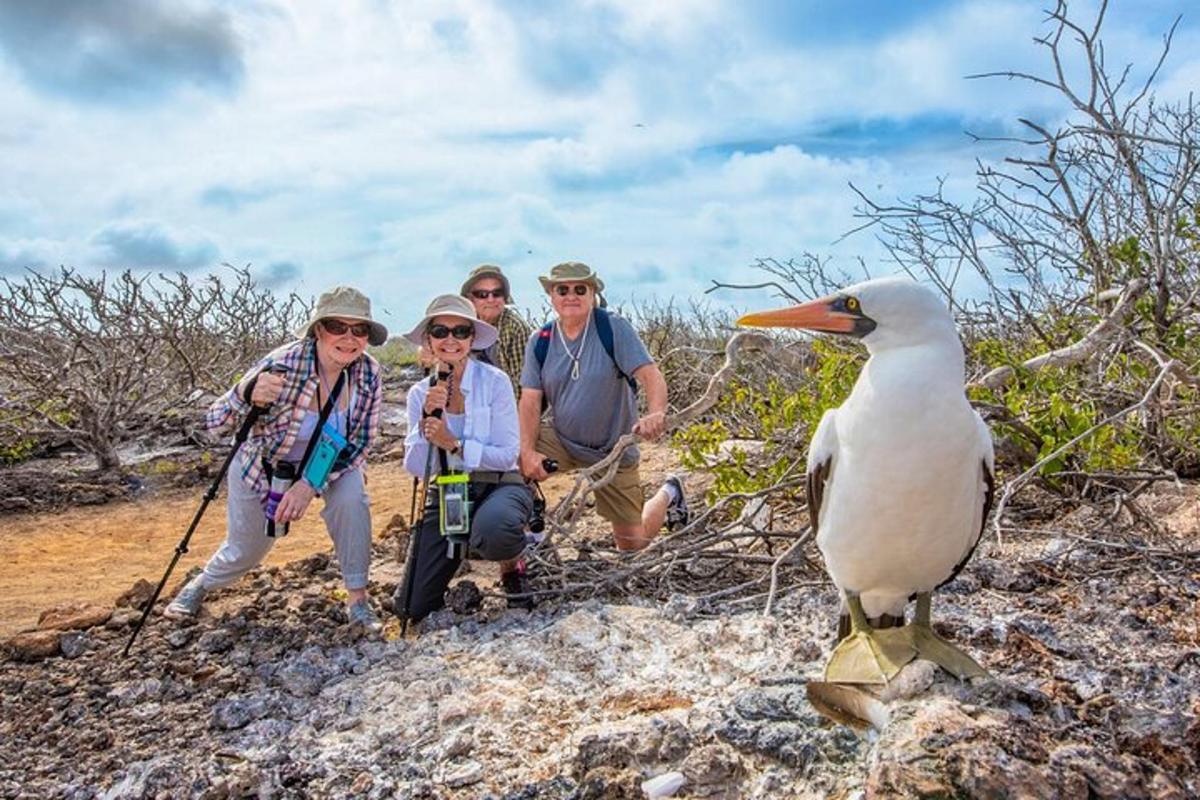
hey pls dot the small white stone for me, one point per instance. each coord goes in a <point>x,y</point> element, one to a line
<point>469,773</point>
<point>664,785</point>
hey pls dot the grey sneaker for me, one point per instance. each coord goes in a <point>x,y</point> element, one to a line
<point>360,613</point>
<point>678,515</point>
<point>187,603</point>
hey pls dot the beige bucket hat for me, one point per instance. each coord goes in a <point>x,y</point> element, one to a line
<point>459,306</point>
<point>486,271</point>
<point>344,302</point>
<point>571,272</point>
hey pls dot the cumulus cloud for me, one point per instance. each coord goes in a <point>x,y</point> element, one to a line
<point>18,255</point>
<point>395,145</point>
<point>152,245</point>
<point>279,273</point>
<point>124,52</point>
<point>232,198</point>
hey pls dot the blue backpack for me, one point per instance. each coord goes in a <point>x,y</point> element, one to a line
<point>603,325</point>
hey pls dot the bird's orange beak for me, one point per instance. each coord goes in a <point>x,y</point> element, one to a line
<point>815,315</point>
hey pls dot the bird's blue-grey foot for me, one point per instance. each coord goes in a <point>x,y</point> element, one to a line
<point>932,647</point>
<point>867,655</point>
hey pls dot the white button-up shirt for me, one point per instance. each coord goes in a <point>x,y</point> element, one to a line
<point>491,438</point>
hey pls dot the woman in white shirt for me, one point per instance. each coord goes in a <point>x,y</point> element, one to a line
<point>471,417</point>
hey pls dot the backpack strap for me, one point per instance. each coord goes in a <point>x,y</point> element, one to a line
<point>603,329</point>
<point>542,346</point>
<point>605,332</point>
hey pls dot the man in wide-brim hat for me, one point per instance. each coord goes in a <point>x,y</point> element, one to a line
<point>488,290</point>
<point>586,364</point>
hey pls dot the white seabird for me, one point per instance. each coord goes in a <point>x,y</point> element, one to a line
<point>900,477</point>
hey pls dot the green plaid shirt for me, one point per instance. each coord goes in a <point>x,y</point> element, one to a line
<point>508,353</point>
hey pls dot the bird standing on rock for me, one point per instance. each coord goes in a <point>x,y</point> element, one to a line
<point>900,476</point>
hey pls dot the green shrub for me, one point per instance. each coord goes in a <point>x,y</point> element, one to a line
<point>782,412</point>
<point>395,353</point>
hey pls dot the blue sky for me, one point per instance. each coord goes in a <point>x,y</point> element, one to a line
<point>394,145</point>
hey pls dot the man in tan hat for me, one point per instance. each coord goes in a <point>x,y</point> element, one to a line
<point>488,290</point>
<point>587,364</point>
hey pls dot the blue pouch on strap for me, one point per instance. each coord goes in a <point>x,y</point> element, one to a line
<point>330,442</point>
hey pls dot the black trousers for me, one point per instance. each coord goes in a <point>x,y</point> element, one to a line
<point>499,512</point>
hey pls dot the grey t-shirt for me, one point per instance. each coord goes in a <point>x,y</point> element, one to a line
<point>593,412</point>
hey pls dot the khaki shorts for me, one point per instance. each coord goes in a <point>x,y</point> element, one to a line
<point>620,502</point>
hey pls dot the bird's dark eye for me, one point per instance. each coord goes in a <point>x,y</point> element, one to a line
<point>852,304</point>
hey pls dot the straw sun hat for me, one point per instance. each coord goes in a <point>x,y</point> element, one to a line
<point>458,306</point>
<point>344,302</point>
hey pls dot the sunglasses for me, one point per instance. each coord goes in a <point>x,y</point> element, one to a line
<point>562,290</point>
<point>337,328</point>
<point>484,294</point>
<point>458,331</point>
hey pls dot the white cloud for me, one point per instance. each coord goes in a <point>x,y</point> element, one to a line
<point>396,145</point>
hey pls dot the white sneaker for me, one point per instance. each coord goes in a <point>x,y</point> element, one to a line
<point>360,613</point>
<point>187,603</point>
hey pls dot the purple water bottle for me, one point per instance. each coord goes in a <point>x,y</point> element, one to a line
<point>281,480</point>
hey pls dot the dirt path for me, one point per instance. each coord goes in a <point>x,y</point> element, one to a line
<point>98,552</point>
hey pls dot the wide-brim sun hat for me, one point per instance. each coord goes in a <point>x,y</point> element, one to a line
<point>344,302</point>
<point>486,271</point>
<point>571,272</point>
<point>458,306</point>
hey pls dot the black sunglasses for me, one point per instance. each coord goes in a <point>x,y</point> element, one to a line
<point>337,328</point>
<point>484,294</point>
<point>562,290</point>
<point>458,331</point>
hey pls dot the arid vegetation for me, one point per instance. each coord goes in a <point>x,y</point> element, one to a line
<point>94,361</point>
<point>1074,274</point>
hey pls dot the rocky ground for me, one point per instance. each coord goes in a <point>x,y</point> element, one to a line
<point>1094,645</point>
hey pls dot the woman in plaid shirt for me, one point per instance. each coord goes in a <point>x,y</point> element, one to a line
<point>293,382</point>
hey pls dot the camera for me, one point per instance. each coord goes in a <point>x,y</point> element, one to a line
<point>537,515</point>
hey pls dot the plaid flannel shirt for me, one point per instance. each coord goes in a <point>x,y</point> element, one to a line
<point>509,350</point>
<point>276,430</point>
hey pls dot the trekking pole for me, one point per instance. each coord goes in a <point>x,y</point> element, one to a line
<point>414,533</point>
<point>181,548</point>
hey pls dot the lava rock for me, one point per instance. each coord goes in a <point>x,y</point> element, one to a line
<point>33,645</point>
<point>73,617</point>
<point>178,637</point>
<point>136,596</point>
<point>306,674</point>
<point>464,775</point>
<point>464,598</point>
<point>238,712</point>
<point>74,644</point>
<point>713,771</point>
<point>218,641</point>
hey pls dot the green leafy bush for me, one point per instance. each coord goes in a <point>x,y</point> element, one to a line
<point>395,353</point>
<point>781,411</point>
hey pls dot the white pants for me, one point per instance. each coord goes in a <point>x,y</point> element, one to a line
<point>347,516</point>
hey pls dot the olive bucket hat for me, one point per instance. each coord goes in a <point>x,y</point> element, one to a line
<point>458,306</point>
<point>571,272</point>
<point>486,271</point>
<point>344,302</point>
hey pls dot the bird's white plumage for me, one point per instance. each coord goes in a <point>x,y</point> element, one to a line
<point>904,458</point>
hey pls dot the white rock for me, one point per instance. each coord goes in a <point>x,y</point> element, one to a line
<point>664,785</point>
<point>469,773</point>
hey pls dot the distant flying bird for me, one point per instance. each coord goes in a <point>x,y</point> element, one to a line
<point>900,477</point>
